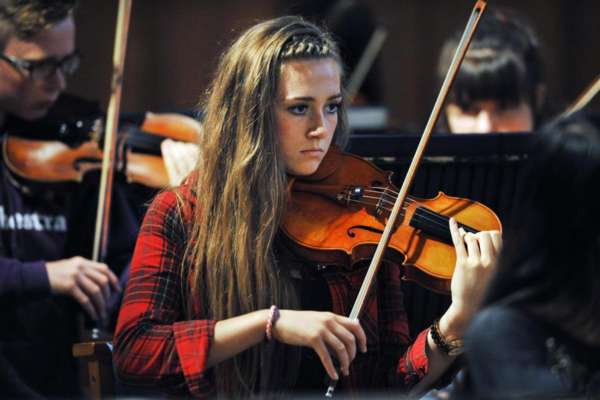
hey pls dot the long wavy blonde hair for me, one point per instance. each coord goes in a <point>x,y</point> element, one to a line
<point>241,194</point>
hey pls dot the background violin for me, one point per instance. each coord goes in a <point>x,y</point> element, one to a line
<point>337,215</point>
<point>59,151</point>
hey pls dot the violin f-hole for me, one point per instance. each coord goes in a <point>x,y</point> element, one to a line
<point>350,230</point>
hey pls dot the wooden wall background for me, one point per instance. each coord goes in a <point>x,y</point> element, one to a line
<point>174,45</point>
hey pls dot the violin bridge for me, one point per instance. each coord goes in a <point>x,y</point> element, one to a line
<point>380,207</point>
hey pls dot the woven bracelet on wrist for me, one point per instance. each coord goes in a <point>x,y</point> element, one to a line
<point>450,347</point>
<point>273,317</point>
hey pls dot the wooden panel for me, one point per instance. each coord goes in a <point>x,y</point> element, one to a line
<point>174,47</point>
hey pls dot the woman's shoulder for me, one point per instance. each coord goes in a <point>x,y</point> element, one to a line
<point>510,353</point>
<point>178,202</point>
<point>502,324</point>
<point>500,318</point>
<point>499,330</point>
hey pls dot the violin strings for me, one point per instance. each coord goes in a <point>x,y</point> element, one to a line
<point>387,189</point>
<point>435,219</point>
<point>391,194</point>
<point>378,198</point>
<point>410,200</point>
<point>384,208</point>
<point>425,210</point>
<point>439,220</point>
<point>376,203</point>
<point>387,198</point>
<point>392,191</point>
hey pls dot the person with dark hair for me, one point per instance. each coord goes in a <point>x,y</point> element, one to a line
<point>539,333</point>
<point>46,276</point>
<point>500,85</point>
<point>219,303</point>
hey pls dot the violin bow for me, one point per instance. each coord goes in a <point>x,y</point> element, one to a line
<point>110,139</point>
<point>459,55</point>
<point>584,98</point>
<point>366,61</point>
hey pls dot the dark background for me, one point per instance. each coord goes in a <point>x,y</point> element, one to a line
<point>173,47</point>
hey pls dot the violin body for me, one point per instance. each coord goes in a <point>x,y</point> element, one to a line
<point>138,152</point>
<point>148,168</point>
<point>49,161</point>
<point>337,217</point>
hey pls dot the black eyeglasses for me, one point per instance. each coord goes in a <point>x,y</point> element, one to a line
<point>45,68</point>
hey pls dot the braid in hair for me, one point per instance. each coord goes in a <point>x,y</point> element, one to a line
<point>308,46</point>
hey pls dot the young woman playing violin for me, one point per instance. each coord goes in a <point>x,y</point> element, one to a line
<point>216,303</point>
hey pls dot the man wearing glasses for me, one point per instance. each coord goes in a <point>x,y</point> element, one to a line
<point>35,63</point>
<point>41,270</point>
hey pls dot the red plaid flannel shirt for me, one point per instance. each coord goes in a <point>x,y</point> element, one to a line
<point>156,345</point>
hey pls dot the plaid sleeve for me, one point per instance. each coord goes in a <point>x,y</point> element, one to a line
<point>414,364</point>
<point>154,343</point>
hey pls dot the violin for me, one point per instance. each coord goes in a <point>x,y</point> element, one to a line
<point>337,215</point>
<point>69,150</point>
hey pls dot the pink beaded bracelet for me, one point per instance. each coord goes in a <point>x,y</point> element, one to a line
<point>273,317</point>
